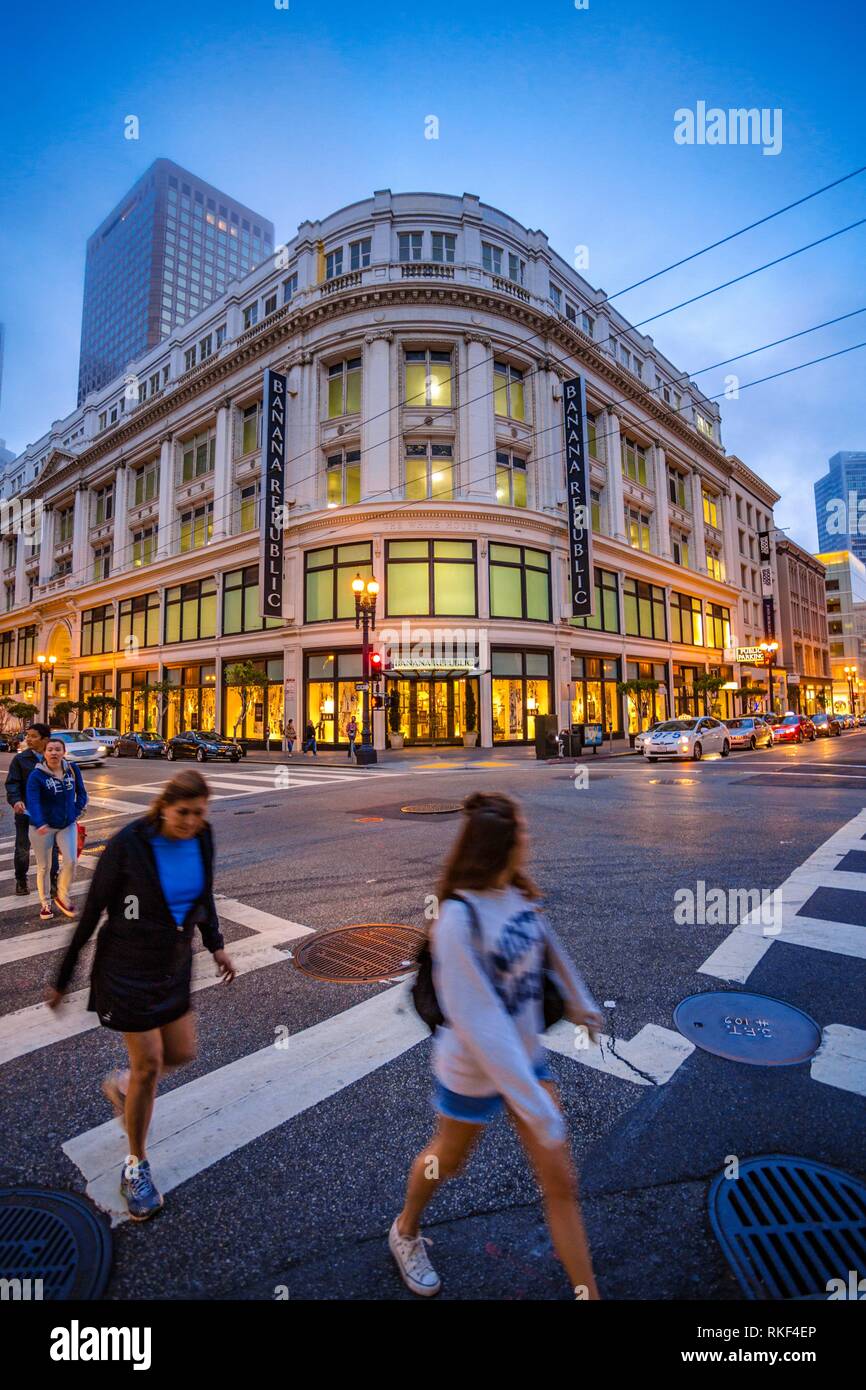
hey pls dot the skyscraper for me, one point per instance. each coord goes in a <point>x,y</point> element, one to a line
<point>840,505</point>
<point>168,248</point>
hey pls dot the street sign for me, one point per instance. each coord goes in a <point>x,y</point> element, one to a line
<point>362,685</point>
<point>751,656</point>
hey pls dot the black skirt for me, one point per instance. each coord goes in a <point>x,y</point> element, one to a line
<point>134,996</point>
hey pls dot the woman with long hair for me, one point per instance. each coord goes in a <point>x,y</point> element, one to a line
<point>491,949</point>
<point>154,881</point>
<point>55,799</point>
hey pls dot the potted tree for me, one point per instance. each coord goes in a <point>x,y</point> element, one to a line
<point>641,689</point>
<point>160,691</point>
<point>247,679</point>
<point>470,733</point>
<point>395,722</point>
<point>707,686</point>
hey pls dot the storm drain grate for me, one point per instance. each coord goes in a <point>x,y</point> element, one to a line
<point>431,808</point>
<point>55,1238</point>
<point>360,954</point>
<point>787,1226</point>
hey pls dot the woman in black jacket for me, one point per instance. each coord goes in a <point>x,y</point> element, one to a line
<point>155,882</point>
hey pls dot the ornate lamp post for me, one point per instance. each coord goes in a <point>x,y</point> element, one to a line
<point>46,676</point>
<point>851,674</point>
<point>365,591</point>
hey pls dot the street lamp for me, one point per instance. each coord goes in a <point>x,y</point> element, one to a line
<point>46,676</point>
<point>769,649</point>
<point>851,673</point>
<point>365,591</point>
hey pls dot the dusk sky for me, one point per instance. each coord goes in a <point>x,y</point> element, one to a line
<point>562,117</point>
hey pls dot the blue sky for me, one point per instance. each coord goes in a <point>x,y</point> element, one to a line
<point>562,117</point>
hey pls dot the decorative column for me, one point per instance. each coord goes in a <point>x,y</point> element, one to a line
<point>728,526</point>
<point>222,501</point>
<point>303,455</point>
<point>380,423</point>
<point>21,556</point>
<point>164,544</point>
<point>613,461</point>
<point>120,544</point>
<point>477,434</point>
<point>46,547</point>
<point>699,544</point>
<point>80,530</point>
<point>663,516</point>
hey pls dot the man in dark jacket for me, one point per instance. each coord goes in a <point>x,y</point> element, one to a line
<point>20,769</point>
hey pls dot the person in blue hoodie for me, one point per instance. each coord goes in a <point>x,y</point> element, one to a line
<point>55,798</point>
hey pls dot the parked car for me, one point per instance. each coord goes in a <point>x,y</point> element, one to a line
<point>202,747</point>
<point>7,744</point>
<point>793,728</point>
<point>827,725</point>
<point>239,743</point>
<point>641,738</point>
<point>87,752</point>
<point>107,736</point>
<point>750,732</point>
<point>848,721</point>
<point>687,738</point>
<point>861,721</point>
<point>139,745</point>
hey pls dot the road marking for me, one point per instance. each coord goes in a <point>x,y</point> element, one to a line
<point>197,1124</point>
<point>137,806</point>
<point>657,1052</point>
<point>841,1059</point>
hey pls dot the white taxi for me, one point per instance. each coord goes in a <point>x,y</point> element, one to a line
<point>688,738</point>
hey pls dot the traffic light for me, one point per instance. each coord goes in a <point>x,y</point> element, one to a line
<point>375,666</point>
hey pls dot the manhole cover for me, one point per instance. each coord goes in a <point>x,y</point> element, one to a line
<point>788,1226</point>
<point>360,954</point>
<point>748,1028</point>
<point>54,1237</point>
<point>431,808</point>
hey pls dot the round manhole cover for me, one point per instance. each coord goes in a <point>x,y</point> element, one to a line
<point>360,954</point>
<point>431,808</point>
<point>52,1245</point>
<point>749,1028</point>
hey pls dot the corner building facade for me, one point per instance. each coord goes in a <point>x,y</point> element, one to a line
<point>425,339</point>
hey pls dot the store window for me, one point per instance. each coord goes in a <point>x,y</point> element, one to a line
<point>96,699</point>
<point>605,614</point>
<point>686,700</point>
<point>262,722</point>
<point>510,479</point>
<point>427,577</point>
<point>644,608</point>
<point>595,695</point>
<point>138,622</point>
<point>191,702</point>
<point>241,606</point>
<point>509,397</point>
<point>521,689</point>
<point>190,611</point>
<point>519,583</point>
<point>139,704</point>
<point>718,626</point>
<point>331,697</point>
<point>343,475</point>
<point>687,624</point>
<point>97,630</point>
<point>429,472</point>
<point>428,378</point>
<point>328,575</point>
<point>644,708</point>
<point>344,388</point>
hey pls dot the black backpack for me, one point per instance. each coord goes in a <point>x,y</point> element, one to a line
<point>424,991</point>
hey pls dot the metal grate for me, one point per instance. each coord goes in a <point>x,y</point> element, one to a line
<point>55,1238</point>
<point>431,808</point>
<point>360,954</point>
<point>787,1226</point>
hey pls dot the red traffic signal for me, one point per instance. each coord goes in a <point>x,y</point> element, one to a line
<point>375,662</point>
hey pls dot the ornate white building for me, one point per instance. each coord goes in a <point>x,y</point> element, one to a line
<point>426,339</point>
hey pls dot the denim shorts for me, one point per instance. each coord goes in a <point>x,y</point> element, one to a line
<point>476,1110</point>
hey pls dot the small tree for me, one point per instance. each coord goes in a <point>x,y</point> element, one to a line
<point>707,686</point>
<point>98,703</point>
<point>61,713</point>
<point>246,679</point>
<point>641,689</point>
<point>471,709</point>
<point>23,711</point>
<point>159,690</point>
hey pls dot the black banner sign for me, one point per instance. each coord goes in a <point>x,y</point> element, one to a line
<point>767,591</point>
<point>273,499</point>
<point>577,490</point>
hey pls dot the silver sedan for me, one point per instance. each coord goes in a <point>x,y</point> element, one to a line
<point>750,732</point>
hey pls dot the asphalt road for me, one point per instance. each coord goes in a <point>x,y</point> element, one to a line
<point>284,1166</point>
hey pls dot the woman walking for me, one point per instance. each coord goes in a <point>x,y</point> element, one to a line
<point>491,950</point>
<point>291,736</point>
<point>55,799</point>
<point>309,743</point>
<point>155,882</point>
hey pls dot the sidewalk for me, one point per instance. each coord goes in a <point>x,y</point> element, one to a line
<point>330,757</point>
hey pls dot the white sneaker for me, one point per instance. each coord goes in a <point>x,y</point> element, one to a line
<point>416,1270</point>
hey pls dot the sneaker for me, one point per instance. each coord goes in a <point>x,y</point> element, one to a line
<point>112,1092</point>
<point>21,890</point>
<point>46,915</point>
<point>415,1269</point>
<point>137,1187</point>
<point>66,908</point>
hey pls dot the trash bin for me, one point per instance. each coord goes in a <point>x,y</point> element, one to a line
<point>546,730</point>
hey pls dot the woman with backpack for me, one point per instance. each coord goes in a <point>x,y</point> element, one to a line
<point>493,954</point>
<point>55,798</point>
<point>154,881</point>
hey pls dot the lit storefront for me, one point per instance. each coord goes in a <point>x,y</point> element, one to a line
<point>432,706</point>
<point>139,704</point>
<point>191,701</point>
<point>330,696</point>
<point>263,721</point>
<point>596,700</point>
<point>652,707</point>
<point>521,689</point>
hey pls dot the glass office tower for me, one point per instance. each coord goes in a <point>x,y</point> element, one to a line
<point>840,505</point>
